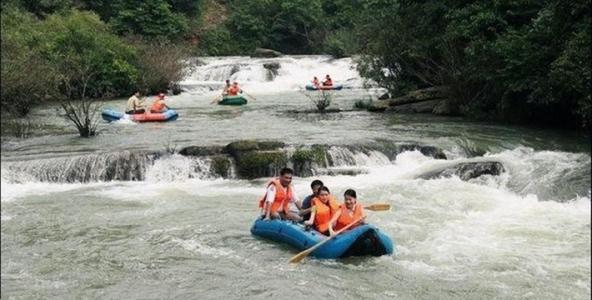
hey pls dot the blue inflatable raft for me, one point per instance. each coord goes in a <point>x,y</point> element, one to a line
<point>364,240</point>
<point>112,115</point>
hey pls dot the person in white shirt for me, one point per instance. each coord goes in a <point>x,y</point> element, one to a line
<point>135,105</point>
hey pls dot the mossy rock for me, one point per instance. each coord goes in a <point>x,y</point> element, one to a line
<point>221,166</point>
<point>305,159</point>
<point>235,148</point>
<point>201,150</point>
<point>254,164</point>
<point>315,154</point>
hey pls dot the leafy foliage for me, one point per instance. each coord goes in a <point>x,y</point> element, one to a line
<point>149,18</point>
<point>523,61</point>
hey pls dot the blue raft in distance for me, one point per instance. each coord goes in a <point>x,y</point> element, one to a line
<point>363,240</point>
<point>337,87</point>
<point>113,115</point>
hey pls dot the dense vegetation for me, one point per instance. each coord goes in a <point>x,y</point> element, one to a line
<point>514,60</point>
<point>523,61</point>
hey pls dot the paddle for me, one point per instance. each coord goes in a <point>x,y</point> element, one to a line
<point>249,95</point>
<point>300,256</point>
<point>378,207</point>
<point>217,99</point>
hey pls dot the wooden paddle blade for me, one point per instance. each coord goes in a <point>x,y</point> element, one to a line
<point>378,207</point>
<point>300,256</point>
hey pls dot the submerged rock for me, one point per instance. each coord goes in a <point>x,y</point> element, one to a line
<point>418,107</point>
<point>272,69</point>
<point>467,171</point>
<point>431,151</point>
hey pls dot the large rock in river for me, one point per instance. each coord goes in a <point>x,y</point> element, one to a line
<point>262,52</point>
<point>467,171</point>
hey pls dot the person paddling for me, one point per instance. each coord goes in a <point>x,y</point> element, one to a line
<point>135,105</point>
<point>226,88</point>
<point>159,106</point>
<point>347,213</point>
<point>315,82</point>
<point>328,81</point>
<point>278,196</point>
<point>234,89</point>
<point>323,208</point>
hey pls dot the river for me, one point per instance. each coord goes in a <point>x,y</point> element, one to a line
<point>180,231</point>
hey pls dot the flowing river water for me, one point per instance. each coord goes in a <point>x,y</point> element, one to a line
<point>181,231</point>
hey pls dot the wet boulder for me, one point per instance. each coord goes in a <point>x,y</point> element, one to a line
<point>430,151</point>
<point>255,159</point>
<point>384,96</point>
<point>272,69</point>
<point>305,160</point>
<point>201,150</point>
<point>263,52</point>
<point>467,171</point>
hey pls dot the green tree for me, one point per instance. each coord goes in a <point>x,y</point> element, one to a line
<point>27,78</point>
<point>149,18</point>
<point>286,25</point>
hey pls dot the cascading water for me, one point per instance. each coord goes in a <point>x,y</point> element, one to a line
<point>117,216</point>
<point>293,73</point>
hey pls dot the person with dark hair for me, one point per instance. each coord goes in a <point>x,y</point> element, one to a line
<point>226,87</point>
<point>348,212</point>
<point>328,81</point>
<point>323,208</point>
<point>234,89</point>
<point>135,105</point>
<point>278,196</point>
<point>159,105</point>
<point>307,202</point>
<point>315,82</point>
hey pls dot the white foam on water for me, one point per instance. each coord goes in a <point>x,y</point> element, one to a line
<point>12,191</point>
<point>196,246</point>
<point>294,73</point>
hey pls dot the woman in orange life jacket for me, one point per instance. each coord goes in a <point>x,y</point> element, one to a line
<point>328,81</point>
<point>159,106</point>
<point>347,213</point>
<point>323,207</point>
<point>234,89</point>
<point>278,196</point>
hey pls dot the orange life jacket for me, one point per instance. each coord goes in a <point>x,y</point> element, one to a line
<point>158,106</point>
<point>345,218</point>
<point>328,82</point>
<point>282,197</point>
<point>233,90</point>
<point>323,213</point>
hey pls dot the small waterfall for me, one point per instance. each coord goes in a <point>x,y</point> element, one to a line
<point>342,156</point>
<point>178,168</point>
<point>125,165</point>
<point>293,74</point>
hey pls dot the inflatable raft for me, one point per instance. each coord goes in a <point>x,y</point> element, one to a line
<point>112,115</point>
<point>364,240</point>
<point>233,100</point>
<point>337,87</point>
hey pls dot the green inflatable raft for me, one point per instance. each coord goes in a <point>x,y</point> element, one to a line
<point>233,100</point>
